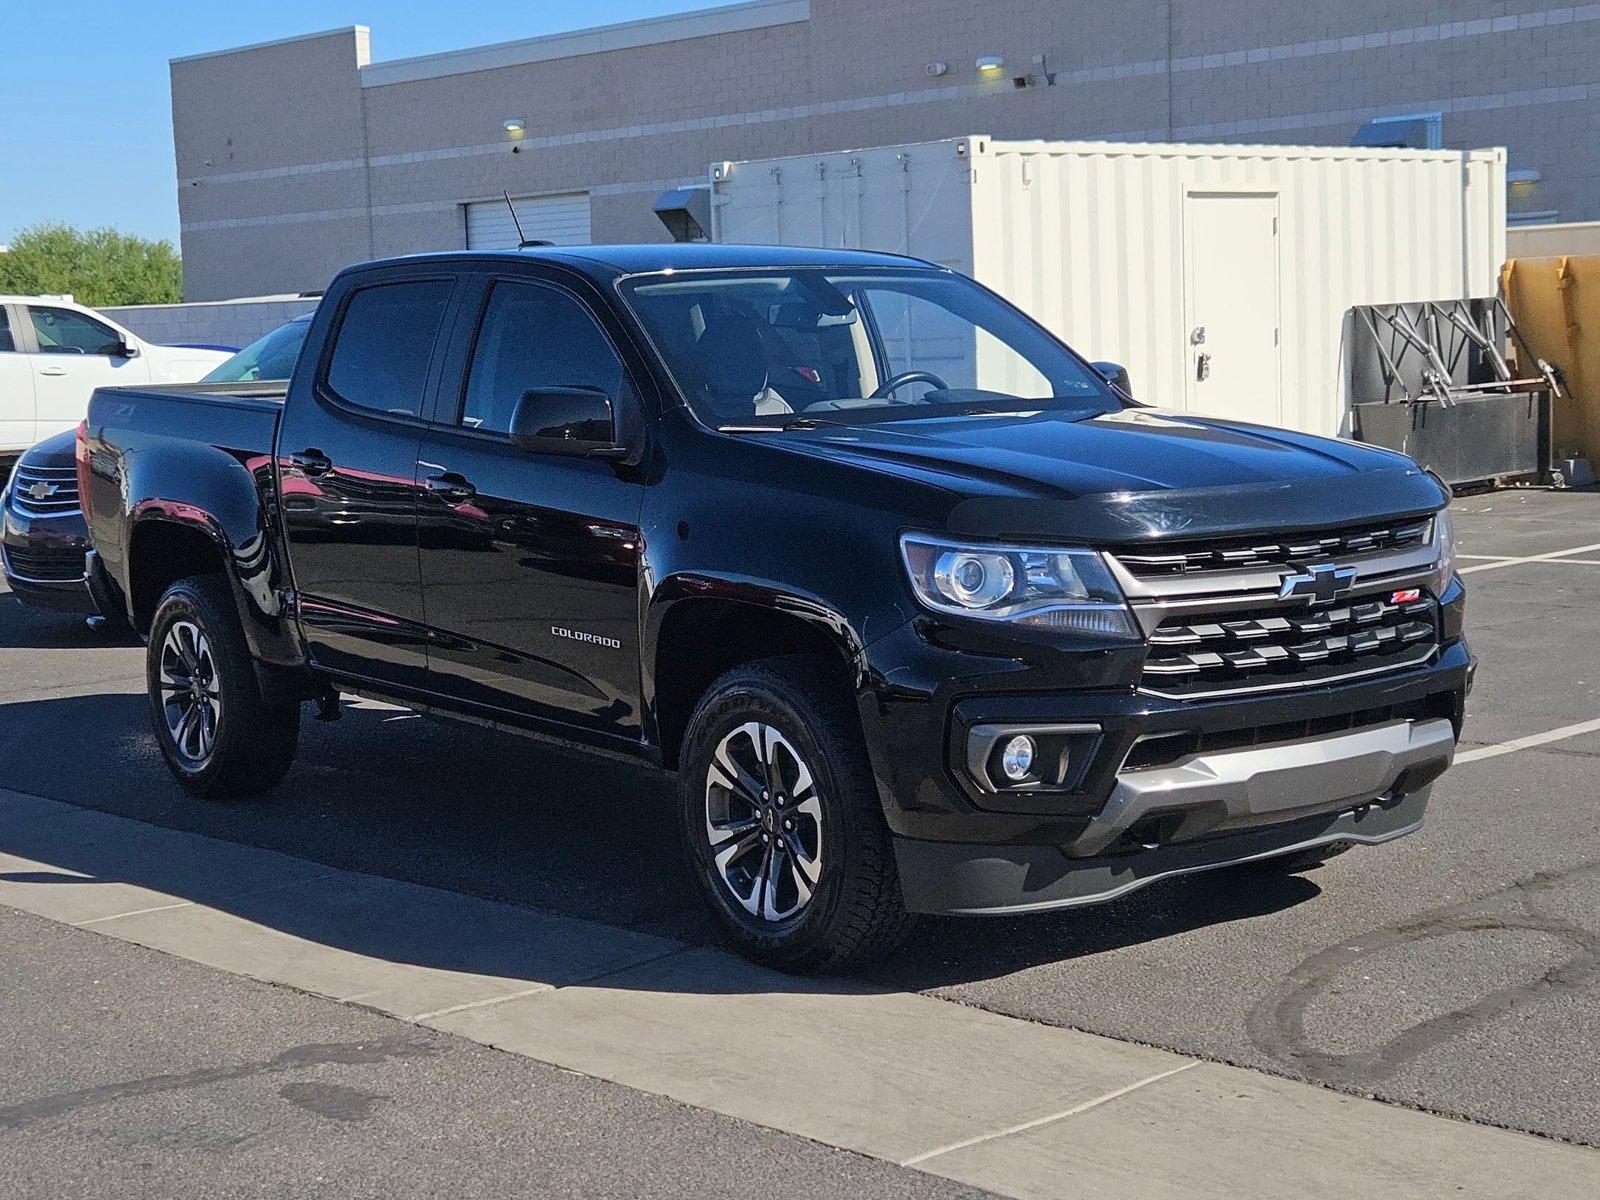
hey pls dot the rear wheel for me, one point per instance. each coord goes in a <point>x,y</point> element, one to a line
<point>781,820</point>
<point>220,737</point>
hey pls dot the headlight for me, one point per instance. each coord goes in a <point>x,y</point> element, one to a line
<point>1068,590</point>
<point>11,477</point>
<point>1444,541</point>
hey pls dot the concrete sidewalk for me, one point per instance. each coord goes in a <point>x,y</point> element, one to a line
<point>1018,1108</point>
<point>132,1074</point>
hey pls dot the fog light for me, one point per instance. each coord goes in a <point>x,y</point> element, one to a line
<point>1017,758</point>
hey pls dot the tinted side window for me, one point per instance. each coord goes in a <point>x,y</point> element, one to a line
<point>534,336</point>
<point>62,331</point>
<point>7,342</point>
<point>385,343</point>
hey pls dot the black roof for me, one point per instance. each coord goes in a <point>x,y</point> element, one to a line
<point>680,256</point>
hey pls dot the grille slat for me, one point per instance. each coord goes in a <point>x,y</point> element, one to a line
<point>46,491</point>
<point>1234,554</point>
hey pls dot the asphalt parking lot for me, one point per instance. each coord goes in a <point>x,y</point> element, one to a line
<point>1454,971</point>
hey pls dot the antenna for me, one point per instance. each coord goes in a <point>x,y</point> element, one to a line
<point>512,208</point>
<point>523,241</point>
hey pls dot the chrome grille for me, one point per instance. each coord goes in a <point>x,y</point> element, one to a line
<point>45,491</point>
<point>1274,648</point>
<point>1218,622</point>
<point>1244,553</point>
<point>44,566</point>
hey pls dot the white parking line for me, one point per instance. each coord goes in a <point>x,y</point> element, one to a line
<point>1527,743</point>
<point>1074,1111</point>
<point>1529,558</point>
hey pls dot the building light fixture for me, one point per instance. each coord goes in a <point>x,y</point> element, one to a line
<point>990,65</point>
<point>515,127</point>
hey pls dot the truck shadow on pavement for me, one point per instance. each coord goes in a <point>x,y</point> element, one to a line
<point>476,814</point>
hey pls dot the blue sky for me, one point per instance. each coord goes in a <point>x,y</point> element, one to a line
<point>91,139</point>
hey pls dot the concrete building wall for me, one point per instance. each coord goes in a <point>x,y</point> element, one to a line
<point>234,323</point>
<point>299,157</point>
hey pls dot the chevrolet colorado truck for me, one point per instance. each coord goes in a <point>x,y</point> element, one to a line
<point>924,611</point>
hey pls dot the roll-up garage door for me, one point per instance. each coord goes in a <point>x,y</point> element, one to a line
<point>563,220</point>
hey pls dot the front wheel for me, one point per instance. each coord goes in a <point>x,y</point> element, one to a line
<point>220,737</point>
<point>781,820</point>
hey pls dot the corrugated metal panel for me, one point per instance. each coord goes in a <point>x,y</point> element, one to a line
<point>563,220</point>
<point>1089,237</point>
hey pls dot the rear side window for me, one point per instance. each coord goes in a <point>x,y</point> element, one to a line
<point>8,344</point>
<point>385,344</point>
<point>534,336</point>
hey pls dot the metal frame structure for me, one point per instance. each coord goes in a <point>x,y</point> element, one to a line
<point>1444,392</point>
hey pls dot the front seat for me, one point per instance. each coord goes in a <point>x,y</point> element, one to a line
<point>734,366</point>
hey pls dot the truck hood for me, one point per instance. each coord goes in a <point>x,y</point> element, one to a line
<point>58,451</point>
<point>1132,475</point>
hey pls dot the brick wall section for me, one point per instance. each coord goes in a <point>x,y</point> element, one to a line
<point>334,172</point>
<point>234,324</point>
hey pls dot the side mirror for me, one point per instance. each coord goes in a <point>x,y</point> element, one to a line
<point>120,349</point>
<point>579,422</point>
<point>1117,376</point>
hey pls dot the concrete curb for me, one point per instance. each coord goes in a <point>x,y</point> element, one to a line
<point>1018,1108</point>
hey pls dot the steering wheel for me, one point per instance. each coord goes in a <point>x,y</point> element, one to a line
<point>905,377</point>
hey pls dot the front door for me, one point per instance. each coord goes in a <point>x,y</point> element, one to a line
<point>72,355</point>
<point>347,465</point>
<point>530,562</point>
<point>1231,305</point>
<point>16,389</point>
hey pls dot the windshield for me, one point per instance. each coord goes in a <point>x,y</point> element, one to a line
<point>269,357</point>
<point>814,345</point>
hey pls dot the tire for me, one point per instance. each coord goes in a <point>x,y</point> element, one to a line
<point>854,912</point>
<point>1302,860</point>
<point>251,743</point>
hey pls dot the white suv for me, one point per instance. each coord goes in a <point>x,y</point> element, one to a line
<point>54,353</point>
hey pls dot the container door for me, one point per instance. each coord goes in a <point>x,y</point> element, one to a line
<point>1231,306</point>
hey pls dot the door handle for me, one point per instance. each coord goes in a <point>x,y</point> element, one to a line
<point>312,462</point>
<point>450,487</point>
<point>52,370</point>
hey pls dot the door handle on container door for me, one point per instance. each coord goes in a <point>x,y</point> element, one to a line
<point>450,487</point>
<point>1202,367</point>
<point>312,462</point>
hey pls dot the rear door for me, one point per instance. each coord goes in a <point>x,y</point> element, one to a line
<point>72,354</point>
<point>16,387</point>
<point>530,562</point>
<point>347,466</point>
<point>1231,300</point>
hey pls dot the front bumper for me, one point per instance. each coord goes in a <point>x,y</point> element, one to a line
<point>948,877</point>
<point>43,559</point>
<point>1166,787</point>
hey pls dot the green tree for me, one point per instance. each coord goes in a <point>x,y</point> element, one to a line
<point>98,266</point>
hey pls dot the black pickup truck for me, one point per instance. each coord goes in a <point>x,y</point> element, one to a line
<point>925,611</point>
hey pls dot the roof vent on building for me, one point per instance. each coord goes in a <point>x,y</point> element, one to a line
<point>686,212</point>
<point>1417,131</point>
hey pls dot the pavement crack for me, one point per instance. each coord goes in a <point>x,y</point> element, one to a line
<point>43,1108</point>
<point>1277,1023</point>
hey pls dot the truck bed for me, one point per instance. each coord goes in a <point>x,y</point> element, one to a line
<point>239,418</point>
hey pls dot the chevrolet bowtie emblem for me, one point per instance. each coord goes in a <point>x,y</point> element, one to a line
<point>42,491</point>
<point>1320,584</point>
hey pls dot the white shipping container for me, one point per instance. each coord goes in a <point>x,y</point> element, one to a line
<point>1221,276</point>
